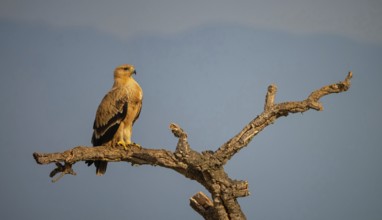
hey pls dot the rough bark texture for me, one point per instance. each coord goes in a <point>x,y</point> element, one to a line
<point>206,167</point>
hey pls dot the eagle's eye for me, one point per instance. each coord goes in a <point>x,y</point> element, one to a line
<point>126,68</point>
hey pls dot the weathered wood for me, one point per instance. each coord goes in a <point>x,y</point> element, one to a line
<point>206,167</point>
<point>203,205</point>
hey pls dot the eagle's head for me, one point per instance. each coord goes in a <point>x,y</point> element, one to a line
<point>124,71</point>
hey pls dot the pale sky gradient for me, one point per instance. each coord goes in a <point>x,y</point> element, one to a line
<point>206,66</point>
<point>356,19</point>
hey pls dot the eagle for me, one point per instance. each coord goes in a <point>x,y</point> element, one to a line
<point>116,113</point>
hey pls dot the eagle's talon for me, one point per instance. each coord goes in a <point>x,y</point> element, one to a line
<point>123,144</point>
<point>137,145</point>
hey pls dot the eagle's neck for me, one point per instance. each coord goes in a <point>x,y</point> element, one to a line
<point>125,81</point>
<point>134,91</point>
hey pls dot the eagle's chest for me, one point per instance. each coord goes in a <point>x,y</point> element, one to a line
<point>134,99</point>
<point>134,93</point>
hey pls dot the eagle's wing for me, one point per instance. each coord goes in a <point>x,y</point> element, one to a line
<point>110,113</point>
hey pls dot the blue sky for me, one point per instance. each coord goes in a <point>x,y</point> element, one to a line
<point>205,66</point>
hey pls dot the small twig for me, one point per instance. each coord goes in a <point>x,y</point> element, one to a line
<point>270,97</point>
<point>182,148</point>
<point>63,169</point>
<point>177,131</point>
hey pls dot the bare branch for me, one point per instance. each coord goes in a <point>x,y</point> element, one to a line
<point>272,112</point>
<point>136,155</point>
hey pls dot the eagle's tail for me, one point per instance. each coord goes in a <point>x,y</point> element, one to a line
<point>101,167</point>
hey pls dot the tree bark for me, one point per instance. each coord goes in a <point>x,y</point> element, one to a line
<point>206,167</point>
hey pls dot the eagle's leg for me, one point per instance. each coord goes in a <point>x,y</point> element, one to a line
<point>122,140</point>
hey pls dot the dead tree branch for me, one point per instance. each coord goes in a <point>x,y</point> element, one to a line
<point>207,167</point>
<point>273,111</point>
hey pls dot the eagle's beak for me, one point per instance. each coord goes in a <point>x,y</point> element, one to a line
<point>135,72</point>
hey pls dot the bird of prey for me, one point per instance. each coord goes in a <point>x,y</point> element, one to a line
<point>116,113</point>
